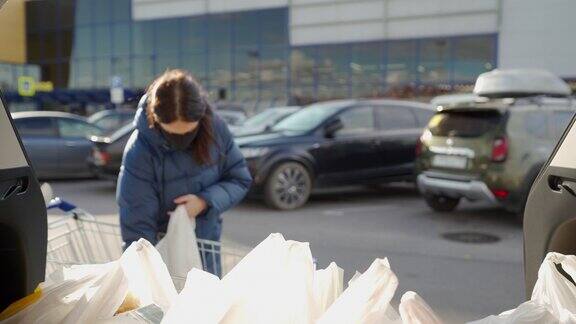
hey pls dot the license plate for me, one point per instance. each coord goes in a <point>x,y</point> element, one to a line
<point>450,161</point>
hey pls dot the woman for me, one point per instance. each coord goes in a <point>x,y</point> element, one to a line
<point>180,154</point>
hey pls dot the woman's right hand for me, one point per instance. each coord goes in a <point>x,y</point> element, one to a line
<point>194,204</point>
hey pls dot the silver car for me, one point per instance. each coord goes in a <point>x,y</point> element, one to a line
<point>57,143</point>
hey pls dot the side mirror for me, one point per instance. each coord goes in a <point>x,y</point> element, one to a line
<point>332,127</point>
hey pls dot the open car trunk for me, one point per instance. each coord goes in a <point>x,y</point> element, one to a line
<point>22,218</point>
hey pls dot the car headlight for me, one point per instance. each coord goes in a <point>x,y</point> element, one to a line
<point>253,152</point>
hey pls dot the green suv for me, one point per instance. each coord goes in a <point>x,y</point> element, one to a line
<point>489,149</point>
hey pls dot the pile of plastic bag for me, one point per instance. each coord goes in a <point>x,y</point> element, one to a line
<point>276,282</point>
<point>553,299</point>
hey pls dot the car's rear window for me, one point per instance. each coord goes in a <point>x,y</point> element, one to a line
<point>464,123</point>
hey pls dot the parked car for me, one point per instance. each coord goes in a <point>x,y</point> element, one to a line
<point>234,119</point>
<point>334,143</point>
<point>106,157</point>
<point>492,149</point>
<point>264,121</point>
<point>112,120</point>
<point>57,143</point>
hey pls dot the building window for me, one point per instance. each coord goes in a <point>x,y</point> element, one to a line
<point>434,60</point>
<point>401,62</point>
<point>473,55</point>
<point>366,68</point>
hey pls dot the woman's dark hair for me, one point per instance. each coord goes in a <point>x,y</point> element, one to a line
<point>177,96</point>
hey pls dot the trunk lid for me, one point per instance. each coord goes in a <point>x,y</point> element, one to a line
<point>460,141</point>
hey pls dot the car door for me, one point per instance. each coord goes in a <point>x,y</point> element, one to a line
<point>398,132</point>
<point>75,145</point>
<point>40,138</point>
<point>349,155</point>
<point>23,223</point>
<point>549,216</point>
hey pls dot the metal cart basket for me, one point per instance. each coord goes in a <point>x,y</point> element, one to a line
<point>78,238</point>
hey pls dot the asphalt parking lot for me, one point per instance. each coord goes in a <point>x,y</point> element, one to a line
<point>352,226</point>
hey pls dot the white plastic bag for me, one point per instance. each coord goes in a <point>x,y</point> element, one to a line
<point>203,300</point>
<point>530,312</point>
<point>56,300</point>
<point>272,284</point>
<point>179,248</point>
<point>367,299</point>
<point>552,287</point>
<point>414,310</point>
<point>140,271</point>
<point>328,286</point>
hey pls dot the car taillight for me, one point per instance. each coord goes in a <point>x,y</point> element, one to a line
<point>500,193</point>
<point>500,149</point>
<point>419,145</point>
<point>100,157</point>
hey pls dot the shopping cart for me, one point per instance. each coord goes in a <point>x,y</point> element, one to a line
<point>76,237</point>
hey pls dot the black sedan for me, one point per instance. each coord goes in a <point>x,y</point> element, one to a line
<point>335,143</point>
<point>107,152</point>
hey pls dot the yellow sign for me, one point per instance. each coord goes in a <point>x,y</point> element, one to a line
<point>27,86</point>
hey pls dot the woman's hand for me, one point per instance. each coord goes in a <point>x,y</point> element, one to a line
<point>194,204</point>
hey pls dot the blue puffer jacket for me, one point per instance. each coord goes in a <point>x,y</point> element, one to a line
<point>153,175</point>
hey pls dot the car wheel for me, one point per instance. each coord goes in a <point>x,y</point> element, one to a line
<point>442,203</point>
<point>288,186</point>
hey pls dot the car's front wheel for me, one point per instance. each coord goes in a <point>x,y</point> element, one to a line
<point>288,186</point>
<point>441,203</point>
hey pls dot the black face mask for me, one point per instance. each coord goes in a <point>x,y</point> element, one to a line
<point>179,142</point>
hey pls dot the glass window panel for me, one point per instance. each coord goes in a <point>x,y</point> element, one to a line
<point>219,71</point>
<point>121,39</point>
<point>247,29</point>
<point>83,10</point>
<point>274,94</point>
<point>356,121</point>
<point>143,38</point>
<point>121,68</point>
<point>165,62</point>
<point>84,69</point>
<point>434,60</point>
<point>246,94</point>
<point>333,64</point>
<point>193,34</point>
<point>195,64</point>
<point>143,73</point>
<point>70,128</point>
<point>302,66</point>
<point>38,126</point>
<point>472,56</point>
<point>390,118</point>
<point>327,91</point>
<point>82,42</point>
<point>401,62</point>
<point>102,73</point>
<point>167,36</point>
<point>102,40</point>
<point>273,68</point>
<point>561,119</point>
<point>220,33</point>
<point>121,10</point>
<point>275,26</point>
<point>102,11</point>
<point>367,90</point>
<point>365,65</point>
<point>246,66</point>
